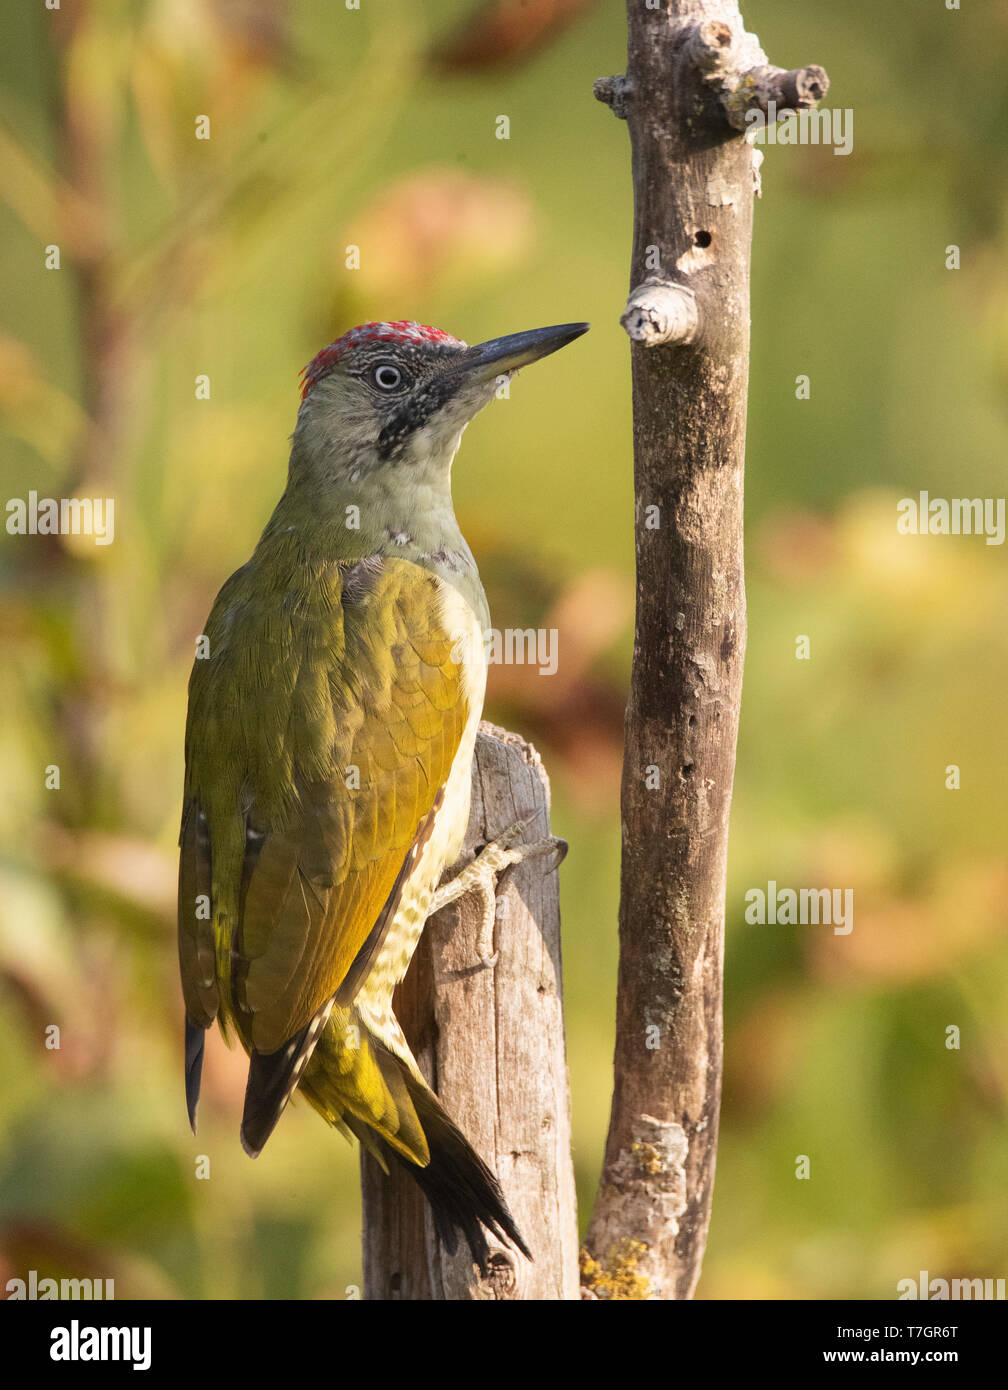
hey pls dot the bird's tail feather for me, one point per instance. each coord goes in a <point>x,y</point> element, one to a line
<point>463,1193</point>
<point>385,1102</point>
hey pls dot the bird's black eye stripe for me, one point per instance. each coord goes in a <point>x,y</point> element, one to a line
<point>414,412</point>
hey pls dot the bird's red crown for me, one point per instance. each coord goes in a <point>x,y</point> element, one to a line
<point>398,331</point>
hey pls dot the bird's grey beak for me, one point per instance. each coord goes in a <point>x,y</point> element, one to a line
<point>499,356</point>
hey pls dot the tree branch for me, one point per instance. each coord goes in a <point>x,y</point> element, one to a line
<point>692,75</point>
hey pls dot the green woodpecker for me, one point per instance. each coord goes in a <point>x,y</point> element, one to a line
<point>333,709</point>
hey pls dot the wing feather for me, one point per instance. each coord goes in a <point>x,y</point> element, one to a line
<point>349,668</point>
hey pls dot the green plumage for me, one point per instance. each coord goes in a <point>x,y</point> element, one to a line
<point>333,709</point>
<point>323,723</point>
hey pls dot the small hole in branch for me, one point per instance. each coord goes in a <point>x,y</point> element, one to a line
<point>702,239</point>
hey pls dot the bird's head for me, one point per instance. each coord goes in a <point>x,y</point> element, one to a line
<point>387,394</point>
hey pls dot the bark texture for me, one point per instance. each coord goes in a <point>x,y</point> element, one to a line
<point>491,1042</point>
<point>692,72</point>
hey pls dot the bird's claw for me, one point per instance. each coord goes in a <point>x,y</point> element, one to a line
<point>482,874</point>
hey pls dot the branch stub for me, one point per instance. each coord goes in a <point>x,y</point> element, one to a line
<point>613,92</point>
<point>661,312</point>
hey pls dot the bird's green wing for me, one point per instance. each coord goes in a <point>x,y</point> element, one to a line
<point>323,725</point>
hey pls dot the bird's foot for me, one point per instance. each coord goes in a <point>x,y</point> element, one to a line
<point>480,877</point>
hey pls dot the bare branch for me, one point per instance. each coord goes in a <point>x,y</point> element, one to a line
<point>693,198</point>
<point>732,62</point>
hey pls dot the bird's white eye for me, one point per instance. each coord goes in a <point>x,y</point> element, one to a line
<point>386,376</point>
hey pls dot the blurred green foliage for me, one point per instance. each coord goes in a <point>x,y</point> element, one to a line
<point>332,128</point>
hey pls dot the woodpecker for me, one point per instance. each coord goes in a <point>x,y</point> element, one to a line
<point>333,710</point>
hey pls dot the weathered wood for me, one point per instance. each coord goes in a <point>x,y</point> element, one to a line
<point>692,74</point>
<point>491,1042</point>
